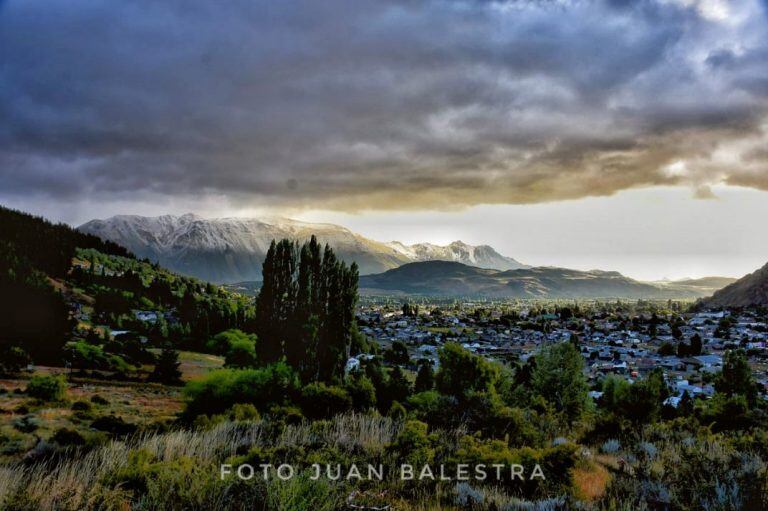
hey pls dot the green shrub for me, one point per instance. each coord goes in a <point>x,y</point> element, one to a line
<point>243,412</point>
<point>241,353</point>
<point>26,424</point>
<point>274,384</point>
<point>397,411</point>
<point>319,400</point>
<point>222,342</point>
<point>360,388</point>
<point>47,388</point>
<point>413,445</point>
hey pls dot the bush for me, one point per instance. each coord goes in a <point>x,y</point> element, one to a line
<point>167,367</point>
<point>66,436</point>
<point>275,384</point>
<point>611,446</point>
<point>81,406</point>
<point>12,360</point>
<point>241,353</point>
<point>243,412</point>
<point>47,388</point>
<point>113,425</point>
<point>360,388</point>
<point>319,400</point>
<point>222,342</point>
<point>397,411</point>
<point>26,424</point>
<point>413,445</point>
<point>98,400</point>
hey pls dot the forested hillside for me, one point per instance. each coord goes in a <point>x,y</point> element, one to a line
<point>60,287</point>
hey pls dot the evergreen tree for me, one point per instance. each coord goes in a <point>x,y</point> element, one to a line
<point>695,348</point>
<point>167,367</point>
<point>736,377</point>
<point>425,378</point>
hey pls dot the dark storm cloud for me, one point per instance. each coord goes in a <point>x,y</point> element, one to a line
<point>358,104</point>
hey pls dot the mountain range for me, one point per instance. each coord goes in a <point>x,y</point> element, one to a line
<point>228,250</point>
<point>231,251</point>
<point>443,278</point>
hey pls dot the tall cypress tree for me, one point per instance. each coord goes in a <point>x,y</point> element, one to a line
<point>306,309</point>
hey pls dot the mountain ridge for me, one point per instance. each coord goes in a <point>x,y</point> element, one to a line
<point>443,278</point>
<point>231,249</point>
<point>749,290</point>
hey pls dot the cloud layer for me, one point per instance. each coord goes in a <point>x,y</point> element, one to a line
<point>398,104</point>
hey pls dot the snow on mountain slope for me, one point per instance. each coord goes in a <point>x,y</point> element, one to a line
<point>232,249</point>
<point>482,256</point>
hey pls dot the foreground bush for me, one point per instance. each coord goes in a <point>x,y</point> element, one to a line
<point>47,388</point>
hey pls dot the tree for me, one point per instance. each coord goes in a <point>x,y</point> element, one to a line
<point>397,354</point>
<point>305,309</point>
<point>736,377</point>
<point>640,402</point>
<point>167,367</point>
<point>462,372</point>
<point>574,339</point>
<point>398,387</point>
<point>559,378</point>
<point>666,350</point>
<point>362,391</point>
<point>410,310</point>
<point>425,378</point>
<point>695,345</point>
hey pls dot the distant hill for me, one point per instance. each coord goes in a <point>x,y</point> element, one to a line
<point>749,290</point>
<point>229,250</point>
<point>441,278</point>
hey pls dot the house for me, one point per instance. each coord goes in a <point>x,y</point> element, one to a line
<point>148,316</point>
<point>710,360</point>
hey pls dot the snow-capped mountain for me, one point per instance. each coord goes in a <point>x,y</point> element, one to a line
<point>232,249</point>
<point>482,256</point>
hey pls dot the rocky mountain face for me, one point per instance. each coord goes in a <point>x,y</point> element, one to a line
<point>438,278</point>
<point>749,290</point>
<point>228,250</point>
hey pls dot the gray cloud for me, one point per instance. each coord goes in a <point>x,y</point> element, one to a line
<point>371,104</point>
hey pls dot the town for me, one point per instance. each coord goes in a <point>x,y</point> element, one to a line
<point>628,339</point>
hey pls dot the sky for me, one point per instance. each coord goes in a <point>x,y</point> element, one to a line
<point>619,134</point>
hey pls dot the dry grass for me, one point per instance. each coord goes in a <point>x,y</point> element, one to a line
<point>590,481</point>
<point>71,484</point>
